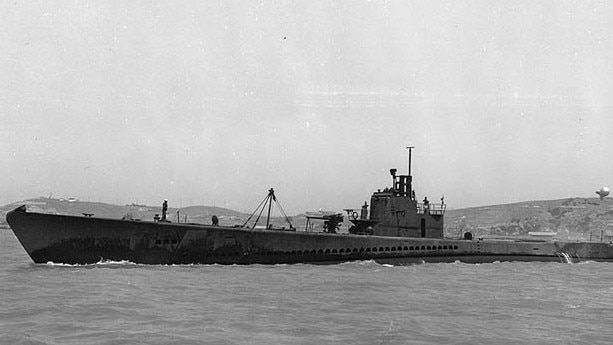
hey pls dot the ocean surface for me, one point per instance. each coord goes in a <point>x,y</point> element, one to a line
<point>351,303</point>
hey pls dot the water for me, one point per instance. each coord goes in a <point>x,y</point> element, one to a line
<point>351,303</point>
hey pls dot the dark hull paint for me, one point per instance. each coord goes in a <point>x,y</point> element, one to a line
<point>83,240</point>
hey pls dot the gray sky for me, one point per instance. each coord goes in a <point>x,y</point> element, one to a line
<point>214,102</point>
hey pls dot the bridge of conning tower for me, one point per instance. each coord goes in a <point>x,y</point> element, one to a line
<point>396,212</point>
<point>403,187</point>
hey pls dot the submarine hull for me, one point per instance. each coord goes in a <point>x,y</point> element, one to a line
<point>88,240</point>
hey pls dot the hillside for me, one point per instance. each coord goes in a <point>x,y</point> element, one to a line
<point>574,218</point>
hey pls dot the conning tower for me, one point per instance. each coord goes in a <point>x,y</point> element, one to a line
<point>396,212</point>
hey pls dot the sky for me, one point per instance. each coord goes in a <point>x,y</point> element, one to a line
<point>215,102</point>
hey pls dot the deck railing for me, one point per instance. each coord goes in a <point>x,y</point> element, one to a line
<point>432,209</point>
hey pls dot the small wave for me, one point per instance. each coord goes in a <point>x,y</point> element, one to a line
<point>102,262</point>
<point>360,263</point>
<point>112,262</point>
<point>368,263</point>
<point>51,263</point>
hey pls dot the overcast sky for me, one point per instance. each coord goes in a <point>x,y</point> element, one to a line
<point>214,102</point>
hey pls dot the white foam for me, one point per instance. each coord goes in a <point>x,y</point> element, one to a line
<point>566,257</point>
<point>102,262</point>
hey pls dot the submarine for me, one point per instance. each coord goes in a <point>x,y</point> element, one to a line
<point>394,229</point>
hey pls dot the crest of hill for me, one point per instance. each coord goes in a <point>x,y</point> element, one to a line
<point>103,210</point>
